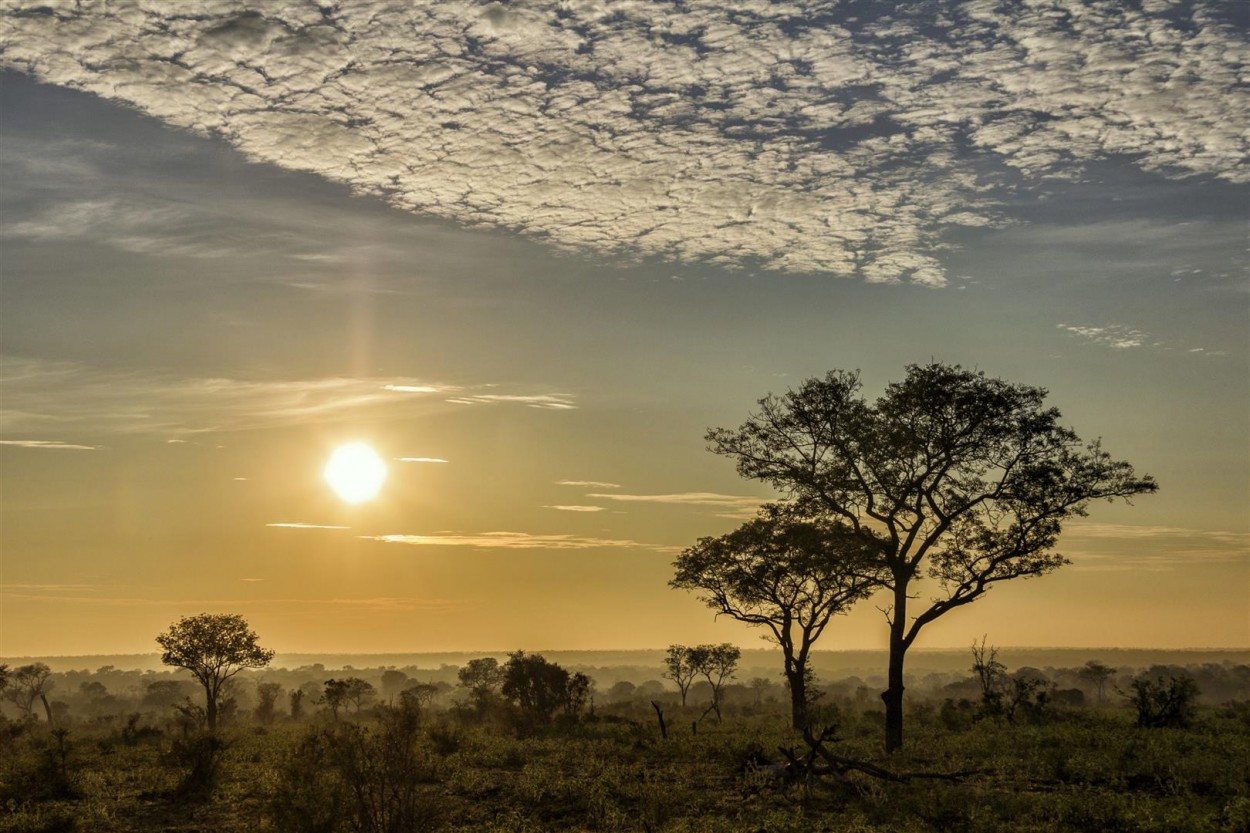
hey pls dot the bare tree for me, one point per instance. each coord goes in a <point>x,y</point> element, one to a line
<point>785,573</point>
<point>213,647</point>
<point>949,475</point>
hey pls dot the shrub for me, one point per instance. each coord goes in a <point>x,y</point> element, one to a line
<point>1164,702</point>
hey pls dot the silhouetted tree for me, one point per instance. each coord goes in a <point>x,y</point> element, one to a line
<point>25,685</point>
<point>1163,701</point>
<point>393,682</point>
<point>213,647</point>
<point>482,677</point>
<point>717,664</point>
<point>296,698</point>
<point>679,669</point>
<point>267,695</point>
<point>347,691</point>
<point>541,688</point>
<point>950,475</point>
<point>1096,673</point>
<point>786,573</point>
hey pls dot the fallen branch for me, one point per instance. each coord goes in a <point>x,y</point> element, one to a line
<point>841,765</point>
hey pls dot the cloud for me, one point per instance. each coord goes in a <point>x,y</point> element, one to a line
<point>308,526</point>
<point>1120,337</point>
<point>1120,547</point>
<point>797,136</point>
<point>45,395</point>
<point>550,402</point>
<point>576,508</point>
<point>49,444</point>
<point>733,502</point>
<point>589,484</point>
<point>1116,336</point>
<point>421,459</point>
<point>512,541</point>
<point>285,606</point>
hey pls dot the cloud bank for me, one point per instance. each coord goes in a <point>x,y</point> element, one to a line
<point>795,136</point>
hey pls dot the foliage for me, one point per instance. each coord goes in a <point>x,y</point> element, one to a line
<point>1163,702</point>
<point>950,474</point>
<point>679,668</point>
<point>717,664</point>
<point>350,777</point>
<point>351,691</point>
<point>1007,696</point>
<point>787,573</point>
<point>267,695</point>
<point>1098,674</point>
<point>25,685</point>
<point>541,688</point>
<point>214,648</point>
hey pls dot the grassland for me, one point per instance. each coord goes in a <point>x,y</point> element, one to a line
<point>1078,770</point>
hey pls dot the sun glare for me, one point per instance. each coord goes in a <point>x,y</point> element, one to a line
<point>355,472</point>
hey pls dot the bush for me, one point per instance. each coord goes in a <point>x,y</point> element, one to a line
<point>1164,702</point>
<point>368,780</point>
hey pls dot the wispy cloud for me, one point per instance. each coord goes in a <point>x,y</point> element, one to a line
<point>512,541</point>
<point>576,508</point>
<point>801,135</point>
<point>588,484</point>
<point>1120,547</point>
<point>689,499</point>
<point>285,606</point>
<point>421,459</point>
<point>39,394</point>
<point>307,526</point>
<point>546,401</point>
<point>49,444</point>
<point>48,588</point>
<point>1131,532</point>
<point>1116,336</point>
<point>1120,337</point>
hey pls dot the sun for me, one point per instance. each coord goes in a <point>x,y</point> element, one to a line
<point>355,472</point>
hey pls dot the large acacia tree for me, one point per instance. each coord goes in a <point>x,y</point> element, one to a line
<point>949,475</point>
<point>213,647</point>
<point>785,573</point>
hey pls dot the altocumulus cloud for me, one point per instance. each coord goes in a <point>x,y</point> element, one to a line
<point>41,393</point>
<point>800,136</point>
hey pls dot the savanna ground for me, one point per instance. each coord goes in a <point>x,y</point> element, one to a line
<point>1075,770</point>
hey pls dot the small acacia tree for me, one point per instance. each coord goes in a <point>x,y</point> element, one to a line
<point>213,647</point>
<point>717,664</point>
<point>29,683</point>
<point>785,573</point>
<point>949,475</point>
<point>1098,673</point>
<point>679,668</point>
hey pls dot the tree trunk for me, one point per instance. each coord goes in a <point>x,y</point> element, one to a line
<point>893,695</point>
<point>210,710</point>
<point>47,708</point>
<point>798,696</point>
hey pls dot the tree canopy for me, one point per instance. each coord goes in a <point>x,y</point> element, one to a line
<point>949,475</point>
<point>213,647</point>
<point>786,573</point>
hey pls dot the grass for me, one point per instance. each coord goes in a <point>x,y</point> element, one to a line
<point>1082,770</point>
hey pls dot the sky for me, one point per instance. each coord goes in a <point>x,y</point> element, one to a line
<point>531,253</point>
